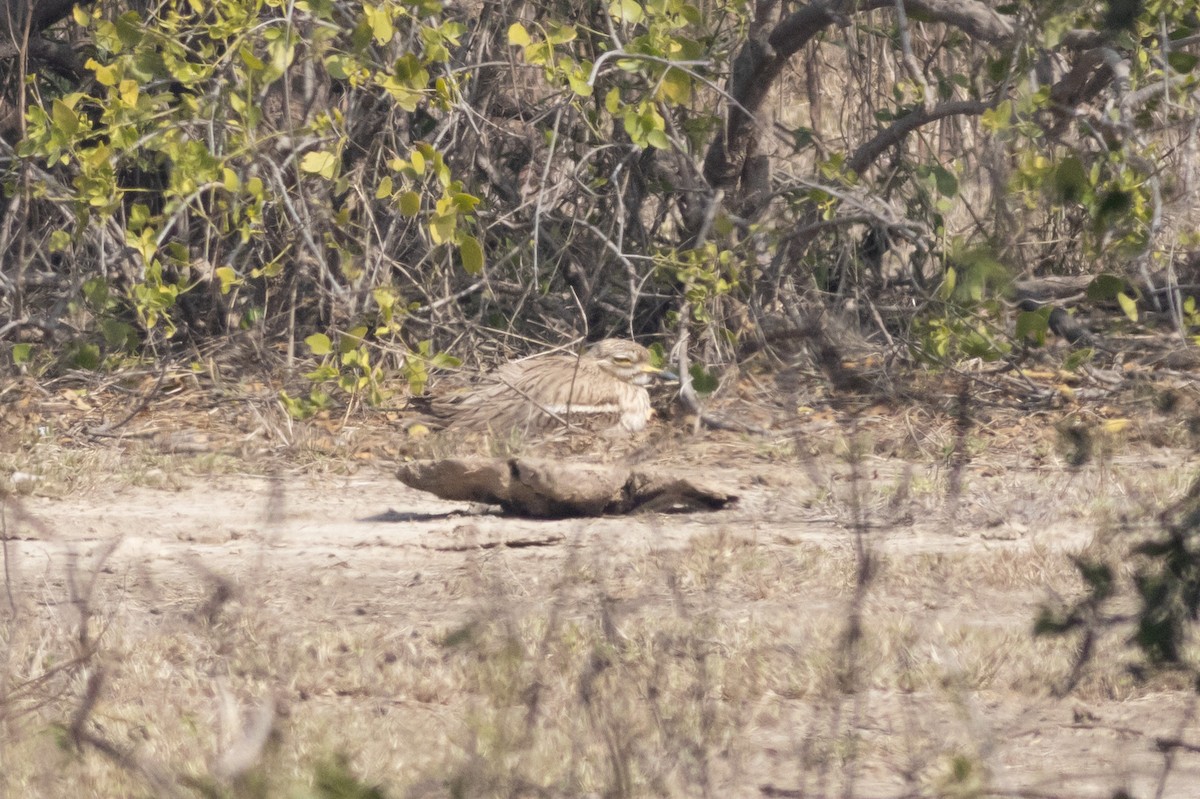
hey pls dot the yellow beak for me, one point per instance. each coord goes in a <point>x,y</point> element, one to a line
<point>659,372</point>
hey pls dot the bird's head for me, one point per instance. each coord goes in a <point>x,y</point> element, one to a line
<point>624,360</point>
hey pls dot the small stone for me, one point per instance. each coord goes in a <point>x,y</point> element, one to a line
<point>24,482</point>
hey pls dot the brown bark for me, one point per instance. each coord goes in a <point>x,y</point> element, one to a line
<point>22,18</point>
<point>865,155</point>
<point>547,488</point>
<point>766,52</point>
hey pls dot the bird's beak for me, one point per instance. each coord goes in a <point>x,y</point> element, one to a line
<point>660,373</point>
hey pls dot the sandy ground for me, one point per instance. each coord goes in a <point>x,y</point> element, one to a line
<point>959,586</point>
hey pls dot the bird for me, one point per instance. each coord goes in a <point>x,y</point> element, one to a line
<point>602,388</point>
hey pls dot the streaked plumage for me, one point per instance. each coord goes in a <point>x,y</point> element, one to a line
<point>604,387</point>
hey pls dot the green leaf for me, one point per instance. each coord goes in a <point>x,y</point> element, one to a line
<point>255,63</point>
<point>1070,180</point>
<point>979,274</point>
<point>803,138</point>
<point>64,118</point>
<point>322,373</point>
<point>410,203</point>
<point>626,11</point>
<point>281,48</point>
<point>1113,203</point>
<point>444,360</point>
<point>658,140</point>
<point>341,67</point>
<point>1105,287</point>
<point>949,284</point>
<point>417,159</point>
<point>612,100</point>
<point>380,22</point>
<point>704,381</point>
<point>997,119</point>
<point>385,188</point>
<point>464,202</point>
<point>676,86</point>
<point>319,344</point>
<point>96,291</point>
<point>1182,62</point>
<point>21,353</point>
<point>408,70</point>
<point>118,334</point>
<point>105,75</point>
<point>558,33</point>
<point>1032,325</point>
<point>946,182</point>
<point>228,277</point>
<point>539,53</point>
<point>1128,305</point>
<point>321,162</point>
<point>1077,358</point>
<point>442,226</point>
<point>517,35</point>
<point>351,339</point>
<point>578,80</point>
<point>472,255</point>
<point>130,29</point>
<point>85,356</point>
<point>59,241</point>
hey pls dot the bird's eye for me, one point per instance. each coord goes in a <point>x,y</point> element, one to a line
<point>622,360</point>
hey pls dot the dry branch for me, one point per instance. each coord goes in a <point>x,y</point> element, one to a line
<point>557,489</point>
<point>764,56</point>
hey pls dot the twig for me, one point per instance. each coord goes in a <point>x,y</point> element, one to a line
<point>687,392</point>
<point>79,719</point>
<point>679,354</point>
<point>81,599</point>
<point>4,541</point>
<point>107,431</point>
<point>915,73</point>
<point>26,321</point>
<point>80,735</point>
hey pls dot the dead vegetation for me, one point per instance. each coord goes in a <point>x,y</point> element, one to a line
<point>944,267</point>
<point>851,627</point>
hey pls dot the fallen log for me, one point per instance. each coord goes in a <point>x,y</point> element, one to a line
<point>548,488</point>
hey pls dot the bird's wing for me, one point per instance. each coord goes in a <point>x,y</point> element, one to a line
<point>511,396</point>
<point>543,393</point>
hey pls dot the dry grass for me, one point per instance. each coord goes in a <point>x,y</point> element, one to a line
<point>663,656</point>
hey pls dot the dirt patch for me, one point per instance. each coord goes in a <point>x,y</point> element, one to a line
<point>441,646</point>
